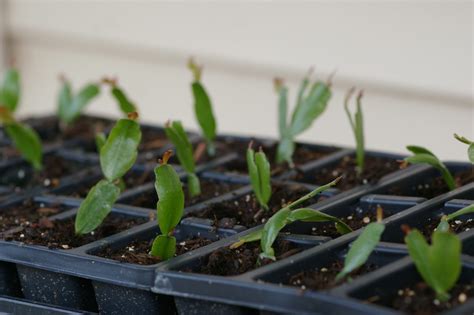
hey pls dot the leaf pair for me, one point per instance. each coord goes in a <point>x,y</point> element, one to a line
<point>24,138</point>
<point>203,108</point>
<point>470,149</point>
<point>259,172</point>
<point>424,156</point>
<point>357,126</point>
<point>311,103</point>
<point>176,133</point>
<point>170,208</point>
<point>117,156</point>
<point>439,264</point>
<point>268,234</point>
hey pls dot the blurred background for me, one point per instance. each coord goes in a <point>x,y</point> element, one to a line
<point>414,60</point>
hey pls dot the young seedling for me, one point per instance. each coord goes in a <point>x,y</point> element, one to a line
<point>24,138</point>
<point>125,104</point>
<point>444,223</point>
<point>170,208</point>
<point>363,246</point>
<point>70,106</point>
<point>357,126</point>
<point>424,156</point>
<point>470,149</point>
<point>175,132</point>
<point>259,172</point>
<point>286,215</point>
<point>117,156</point>
<point>311,102</point>
<point>439,264</point>
<point>203,108</point>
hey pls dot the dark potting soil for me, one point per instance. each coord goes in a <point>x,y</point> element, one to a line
<point>61,235</point>
<point>325,278</point>
<point>456,226</point>
<point>435,187</point>
<point>375,168</point>
<point>153,139</point>
<point>355,221</point>
<point>301,156</point>
<point>247,211</point>
<point>231,262</point>
<point>138,252</point>
<point>421,299</point>
<point>23,215</point>
<point>209,189</point>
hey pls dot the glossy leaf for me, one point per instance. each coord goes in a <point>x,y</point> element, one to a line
<point>439,264</point>
<point>27,141</point>
<point>126,105</point>
<point>10,90</point>
<point>164,247</point>
<point>270,232</point>
<point>424,156</point>
<point>119,152</point>
<point>259,173</point>
<point>204,114</point>
<point>170,204</point>
<point>312,215</point>
<point>361,249</point>
<point>184,150</point>
<point>69,111</point>
<point>96,206</point>
<point>194,185</point>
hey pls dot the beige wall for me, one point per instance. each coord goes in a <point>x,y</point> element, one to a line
<point>414,59</point>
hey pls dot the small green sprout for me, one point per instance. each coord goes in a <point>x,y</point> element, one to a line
<point>444,223</point>
<point>203,108</point>
<point>424,156</point>
<point>259,172</point>
<point>310,104</point>
<point>357,126</point>
<point>117,156</point>
<point>470,149</point>
<point>175,132</point>
<point>439,264</point>
<point>286,215</point>
<point>363,246</point>
<point>125,104</point>
<point>24,138</point>
<point>170,208</point>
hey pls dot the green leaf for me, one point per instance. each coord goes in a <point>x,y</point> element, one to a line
<point>170,204</point>
<point>164,247</point>
<point>27,141</point>
<point>119,152</point>
<point>285,150</point>
<point>428,158</point>
<point>10,90</point>
<point>259,172</point>
<point>251,237</point>
<point>419,150</point>
<point>270,232</point>
<point>282,110</point>
<point>466,210</point>
<point>312,215</point>
<point>96,206</point>
<point>68,113</point>
<point>470,152</point>
<point>204,113</point>
<point>126,106</point>
<point>100,140</point>
<point>439,264</point>
<point>310,108</point>
<point>184,150</point>
<point>64,101</point>
<point>361,249</point>
<point>194,185</point>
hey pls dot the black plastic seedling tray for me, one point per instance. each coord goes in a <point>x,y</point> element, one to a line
<point>80,279</point>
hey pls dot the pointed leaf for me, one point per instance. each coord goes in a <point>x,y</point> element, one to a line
<point>79,102</point>
<point>203,111</point>
<point>64,101</point>
<point>311,215</point>
<point>263,167</point>
<point>10,90</point>
<point>184,150</point>
<point>164,247</point>
<point>126,106</point>
<point>27,141</point>
<point>425,158</point>
<point>419,150</point>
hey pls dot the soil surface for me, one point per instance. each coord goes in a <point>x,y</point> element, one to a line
<point>137,252</point>
<point>324,278</point>
<point>231,262</point>
<point>421,300</point>
<point>435,187</point>
<point>301,156</point>
<point>375,168</point>
<point>354,221</point>
<point>247,211</point>
<point>60,234</point>
<point>209,189</point>
<point>153,139</point>
<point>456,226</point>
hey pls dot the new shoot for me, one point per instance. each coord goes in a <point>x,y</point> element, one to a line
<point>470,149</point>
<point>125,104</point>
<point>203,108</point>
<point>444,223</point>
<point>259,173</point>
<point>175,132</point>
<point>311,102</point>
<point>117,156</point>
<point>289,214</point>
<point>357,125</point>
<point>24,138</point>
<point>439,264</point>
<point>170,208</point>
<point>424,156</point>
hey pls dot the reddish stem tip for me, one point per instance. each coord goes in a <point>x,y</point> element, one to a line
<point>250,144</point>
<point>166,157</point>
<point>379,213</point>
<point>132,115</point>
<point>405,228</point>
